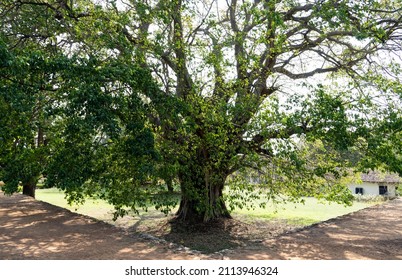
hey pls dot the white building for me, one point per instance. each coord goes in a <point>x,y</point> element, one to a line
<point>376,183</point>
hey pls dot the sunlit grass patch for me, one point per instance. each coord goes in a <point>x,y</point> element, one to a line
<point>312,211</point>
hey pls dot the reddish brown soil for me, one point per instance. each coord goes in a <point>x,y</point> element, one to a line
<point>31,229</point>
<point>372,233</point>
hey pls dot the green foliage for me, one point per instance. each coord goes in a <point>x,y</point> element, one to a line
<point>398,190</point>
<point>23,112</point>
<point>301,170</point>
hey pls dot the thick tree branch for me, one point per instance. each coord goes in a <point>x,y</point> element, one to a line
<point>259,140</point>
<point>291,12</point>
<point>184,84</point>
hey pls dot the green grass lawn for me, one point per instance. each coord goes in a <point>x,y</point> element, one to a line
<point>95,208</point>
<point>98,209</point>
<point>312,211</point>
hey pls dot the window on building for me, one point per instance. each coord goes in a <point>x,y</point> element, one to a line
<point>383,190</point>
<point>359,191</point>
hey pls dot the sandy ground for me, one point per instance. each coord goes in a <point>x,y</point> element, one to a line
<point>373,233</point>
<point>31,229</point>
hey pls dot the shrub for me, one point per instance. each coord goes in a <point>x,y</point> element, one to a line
<point>369,198</point>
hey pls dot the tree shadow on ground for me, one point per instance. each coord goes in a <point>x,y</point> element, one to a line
<point>31,229</point>
<point>216,235</point>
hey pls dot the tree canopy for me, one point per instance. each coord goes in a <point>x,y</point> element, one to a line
<point>130,95</point>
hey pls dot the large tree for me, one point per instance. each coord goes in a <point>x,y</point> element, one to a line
<point>235,65</point>
<point>229,87</point>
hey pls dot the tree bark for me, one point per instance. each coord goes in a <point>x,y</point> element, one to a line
<point>169,184</point>
<point>202,197</point>
<point>29,189</point>
<point>41,138</point>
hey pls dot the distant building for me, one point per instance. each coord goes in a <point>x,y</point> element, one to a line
<point>376,183</point>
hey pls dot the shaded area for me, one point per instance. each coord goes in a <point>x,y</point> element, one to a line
<point>216,235</point>
<point>31,229</point>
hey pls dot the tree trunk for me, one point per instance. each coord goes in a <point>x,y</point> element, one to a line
<point>169,184</point>
<point>41,138</point>
<point>29,189</point>
<point>202,197</point>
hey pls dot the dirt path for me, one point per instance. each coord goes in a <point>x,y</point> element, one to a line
<point>372,233</point>
<point>31,229</point>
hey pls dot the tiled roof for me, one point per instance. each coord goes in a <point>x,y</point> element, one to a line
<point>378,177</point>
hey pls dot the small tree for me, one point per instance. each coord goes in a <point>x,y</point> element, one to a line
<point>24,98</point>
